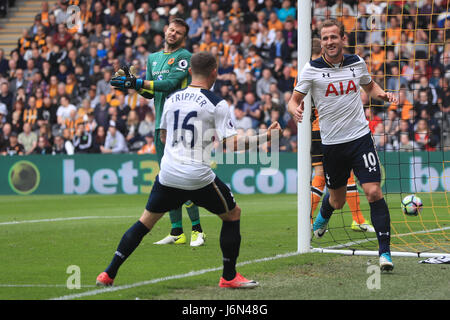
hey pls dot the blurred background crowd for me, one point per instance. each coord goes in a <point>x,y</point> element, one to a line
<point>55,96</point>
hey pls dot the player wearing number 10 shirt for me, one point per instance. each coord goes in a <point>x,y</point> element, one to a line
<point>334,81</point>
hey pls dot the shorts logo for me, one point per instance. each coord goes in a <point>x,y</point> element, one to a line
<point>328,179</point>
<point>183,64</point>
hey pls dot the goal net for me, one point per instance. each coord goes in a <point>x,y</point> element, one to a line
<point>406,47</point>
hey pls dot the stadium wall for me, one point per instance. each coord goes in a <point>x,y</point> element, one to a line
<point>134,174</point>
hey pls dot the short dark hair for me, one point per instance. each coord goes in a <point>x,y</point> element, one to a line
<point>332,22</point>
<point>203,63</point>
<point>181,22</point>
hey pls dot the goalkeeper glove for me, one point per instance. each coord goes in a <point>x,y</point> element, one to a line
<point>123,82</point>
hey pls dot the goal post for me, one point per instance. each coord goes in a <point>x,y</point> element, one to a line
<point>407,44</point>
<point>304,133</point>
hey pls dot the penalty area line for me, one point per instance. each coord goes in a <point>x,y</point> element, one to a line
<point>5,285</point>
<point>174,277</point>
<point>62,219</point>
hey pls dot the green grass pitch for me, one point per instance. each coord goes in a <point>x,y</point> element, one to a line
<point>41,236</point>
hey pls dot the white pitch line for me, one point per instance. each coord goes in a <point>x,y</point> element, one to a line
<point>179,276</point>
<point>40,286</point>
<point>63,219</point>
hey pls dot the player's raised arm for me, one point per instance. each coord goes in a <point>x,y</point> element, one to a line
<point>296,106</point>
<point>375,91</point>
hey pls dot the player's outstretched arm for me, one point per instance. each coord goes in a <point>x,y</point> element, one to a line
<point>243,143</point>
<point>296,106</point>
<point>375,91</point>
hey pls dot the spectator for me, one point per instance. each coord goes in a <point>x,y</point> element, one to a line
<point>287,10</point>
<point>59,146</point>
<point>285,143</point>
<point>149,146</point>
<point>252,109</point>
<point>263,84</point>
<point>113,17</point>
<point>405,144</point>
<point>3,63</point>
<point>47,114</point>
<point>132,128</point>
<point>62,37</point>
<point>241,70</point>
<point>103,86</point>
<point>279,47</point>
<point>30,113</point>
<point>82,140</point>
<point>43,146</point>
<point>403,106</point>
<point>64,110</point>
<point>101,112</point>
<point>157,22</point>
<point>28,138</point>
<point>433,127</point>
<point>286,82</point>
<point>422,136</point>
<point>242,121</point>
<point>147,125</point>
<point>99,139</point>
<point>18,82</point>
<point>13,147</point>
<point>274,23</point>
<point>395,81</point>
<point>6,97</point>
<point>115,142</point>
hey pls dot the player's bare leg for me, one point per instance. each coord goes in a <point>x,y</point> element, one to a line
<point>379,214</point>
<point>129,242</point>
<point>230,242</point>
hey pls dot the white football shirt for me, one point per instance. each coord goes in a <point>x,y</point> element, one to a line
<point>337,97</point>
<point>192,118</point>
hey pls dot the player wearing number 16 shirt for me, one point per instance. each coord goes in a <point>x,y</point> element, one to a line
<point>189,117</point>
<point>334,81</point>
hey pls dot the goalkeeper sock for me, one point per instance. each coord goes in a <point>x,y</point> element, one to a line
<point>176,220</point>
<point>230,242</point>
<point>130,240</point>
<point>326,210</point>
<point>194,215</point>
<point>379,214</point>
<point>353,200</point>
<point>317,187</point>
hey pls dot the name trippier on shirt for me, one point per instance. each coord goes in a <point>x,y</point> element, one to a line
<point>189,97</point>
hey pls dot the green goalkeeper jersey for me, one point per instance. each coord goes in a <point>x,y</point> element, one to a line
<point>169,71</point>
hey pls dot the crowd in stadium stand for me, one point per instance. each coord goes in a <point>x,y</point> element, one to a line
<point>55,96</point>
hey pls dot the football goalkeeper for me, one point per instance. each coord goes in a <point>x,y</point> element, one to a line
<point>167,72</point>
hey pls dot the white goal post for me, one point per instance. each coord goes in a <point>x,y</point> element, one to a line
<point>304,133</point>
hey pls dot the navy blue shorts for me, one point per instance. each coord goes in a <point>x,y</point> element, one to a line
<point>359,155</point>
<point>216,197</point>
